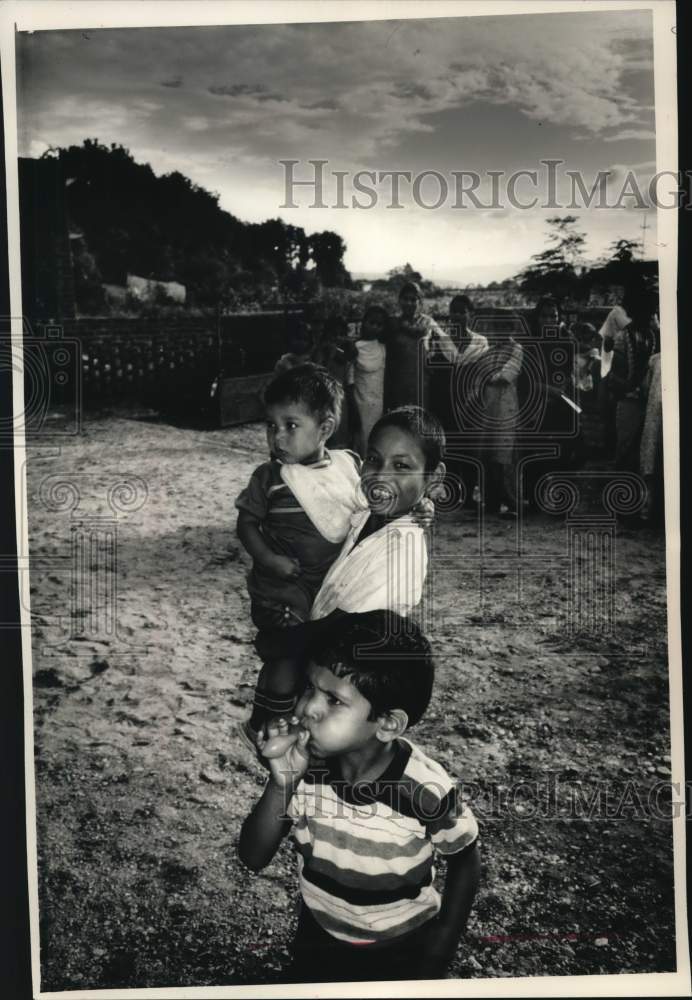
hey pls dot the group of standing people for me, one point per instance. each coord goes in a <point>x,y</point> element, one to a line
<point>510,401</point>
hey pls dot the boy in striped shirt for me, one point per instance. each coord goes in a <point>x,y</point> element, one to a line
<point>368,815</point>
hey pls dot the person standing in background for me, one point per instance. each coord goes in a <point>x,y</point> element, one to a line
<point>547,388</point>
<point>612,330</point>
<point>299,345</point>
<point>499,369</point>
<point>335,352</point>
<point>415,339</point>
<point>651,446</point>
<point>631,354</point>
<point>368,369</point>
<point>463,393</point>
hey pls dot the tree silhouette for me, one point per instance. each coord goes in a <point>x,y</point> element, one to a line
<point>171,229</point>
<point>554,270</point>
<point>327,251</point>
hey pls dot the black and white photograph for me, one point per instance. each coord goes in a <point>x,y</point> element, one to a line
<point>419,727</point>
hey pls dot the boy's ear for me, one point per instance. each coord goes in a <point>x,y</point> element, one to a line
<point>436,476</point>
<point>328,427</point>
<point>391,724</point>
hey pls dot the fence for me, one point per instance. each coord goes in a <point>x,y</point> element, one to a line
<point>169,365</point>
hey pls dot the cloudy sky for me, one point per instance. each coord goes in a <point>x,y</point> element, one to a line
<point>224,105</point>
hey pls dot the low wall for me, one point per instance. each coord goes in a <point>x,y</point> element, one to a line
<point>170,365</point>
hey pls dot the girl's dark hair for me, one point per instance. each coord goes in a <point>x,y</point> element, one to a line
<point>386,658</point>
<point>385,316</point>
<point>421,425</point>
<point>461,302</point>
<point>310,384</point>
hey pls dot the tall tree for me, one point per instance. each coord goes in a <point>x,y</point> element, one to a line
<point>327,250</point>
<point>556,270</point>
<point>623,269</point>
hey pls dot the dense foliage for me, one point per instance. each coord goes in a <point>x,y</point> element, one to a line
<point>561,270</point>
<point>171,229</point>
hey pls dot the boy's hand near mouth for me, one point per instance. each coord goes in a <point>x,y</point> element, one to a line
<point>286,740</point>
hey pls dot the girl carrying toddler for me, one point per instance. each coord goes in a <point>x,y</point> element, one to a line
<point>304,510</point>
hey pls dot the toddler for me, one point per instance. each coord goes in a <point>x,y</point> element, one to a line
<point>293,516</point>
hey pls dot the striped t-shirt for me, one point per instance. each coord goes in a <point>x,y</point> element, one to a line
<point>365,852</point>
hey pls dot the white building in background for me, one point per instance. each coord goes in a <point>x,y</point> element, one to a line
<point>146,289</point>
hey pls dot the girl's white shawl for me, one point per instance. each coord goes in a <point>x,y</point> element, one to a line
<point>386,572</point>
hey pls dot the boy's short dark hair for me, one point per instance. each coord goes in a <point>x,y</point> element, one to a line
<point>421,425</point>
<point>386,658</point>
<point>460,302</point>
<point>309,384</point>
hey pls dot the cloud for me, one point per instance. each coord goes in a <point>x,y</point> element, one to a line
<point>236,89</point>
<point>322,106</point>
<point>630,133</point>
<point>271,97</point>
<point>256,94</point>
<point>195,123</point>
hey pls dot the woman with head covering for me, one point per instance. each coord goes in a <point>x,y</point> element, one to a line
<point>414,340</point>
<point>651,445</point>
<point>631,352</point>
<point>459,393</point>
<point>547,393</point>
<point>611,332</point>
<point>498,371</point>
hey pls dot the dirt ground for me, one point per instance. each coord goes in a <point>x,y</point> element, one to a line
<point>562,740</point>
